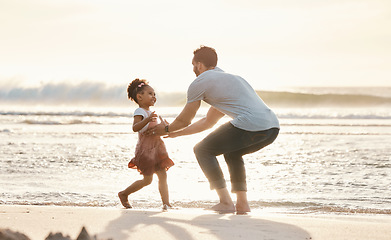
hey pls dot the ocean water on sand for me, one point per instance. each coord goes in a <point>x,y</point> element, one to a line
<point>324,160</point>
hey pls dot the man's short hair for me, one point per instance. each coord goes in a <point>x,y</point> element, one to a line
<point>206,55</point>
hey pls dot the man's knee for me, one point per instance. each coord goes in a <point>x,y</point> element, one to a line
<point>198,149</point>
<point>202,151</point>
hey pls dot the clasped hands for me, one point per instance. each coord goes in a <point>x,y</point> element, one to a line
<point>159,129</point>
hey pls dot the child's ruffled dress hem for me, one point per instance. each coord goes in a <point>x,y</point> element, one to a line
<point>151,154</point>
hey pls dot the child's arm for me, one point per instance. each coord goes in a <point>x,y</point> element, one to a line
<point>139,121</point>
<point>212,117</point>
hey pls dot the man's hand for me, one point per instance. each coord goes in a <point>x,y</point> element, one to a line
<point>183,120</point>
<point>158,130</point>
<point>212,117</point>
<point>172,135</point>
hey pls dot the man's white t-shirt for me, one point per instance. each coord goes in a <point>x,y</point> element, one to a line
<point>233,96</point>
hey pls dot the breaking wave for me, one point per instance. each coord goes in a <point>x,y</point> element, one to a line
<point>78,115</point>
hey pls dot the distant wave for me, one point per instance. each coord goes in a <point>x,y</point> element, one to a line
<point>291,115</point>
<point>65,113</point>
<point>338,115</point>
<point>103,94</point>
<point>335,133</point>
<point>89,93</point>
<point>38,122</point>
<point>65,93</point>
<point>287,99</point>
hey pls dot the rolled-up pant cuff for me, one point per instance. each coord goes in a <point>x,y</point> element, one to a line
<point>217,184</point>
<point>239,186</point>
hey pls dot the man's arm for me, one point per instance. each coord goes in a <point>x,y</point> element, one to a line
<point>212,117</point>
<point>185,117</point>
<point>183,120</point>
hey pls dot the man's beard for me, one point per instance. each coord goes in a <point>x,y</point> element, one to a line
<point>197,73</point>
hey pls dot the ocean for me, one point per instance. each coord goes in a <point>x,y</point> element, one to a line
<point>329,157</point>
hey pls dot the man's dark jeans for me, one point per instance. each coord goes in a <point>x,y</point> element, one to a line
<point>233,143</point>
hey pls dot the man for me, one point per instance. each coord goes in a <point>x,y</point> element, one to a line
<point>253,126</point>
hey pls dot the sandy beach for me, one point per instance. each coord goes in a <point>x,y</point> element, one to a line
<point>120,224</point>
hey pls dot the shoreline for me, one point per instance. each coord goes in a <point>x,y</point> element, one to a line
<point>188,223</point>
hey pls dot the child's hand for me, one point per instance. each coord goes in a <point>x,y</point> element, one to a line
<point>152,117</point>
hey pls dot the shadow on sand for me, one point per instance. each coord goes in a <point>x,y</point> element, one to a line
<point>194,225</point>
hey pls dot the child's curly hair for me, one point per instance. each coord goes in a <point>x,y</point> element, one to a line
<point>135,87</point>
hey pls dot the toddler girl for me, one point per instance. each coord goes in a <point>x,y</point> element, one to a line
<point>150,155</point>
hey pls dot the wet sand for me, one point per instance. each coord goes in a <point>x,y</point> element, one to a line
<point>193,224</point>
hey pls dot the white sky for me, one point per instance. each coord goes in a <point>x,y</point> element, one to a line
<point>272,44</point>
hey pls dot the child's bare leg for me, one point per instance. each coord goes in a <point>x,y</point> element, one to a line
<point>163,187</point>
<point>242,206</point>
<point>137,185</point>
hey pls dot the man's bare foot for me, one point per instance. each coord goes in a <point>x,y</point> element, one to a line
<point>242,209</point>
<point>124,200</point>
<point>224,208</point>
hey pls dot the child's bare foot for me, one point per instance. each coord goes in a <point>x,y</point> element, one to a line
<point>166,207</point>
<point>224,208</point>
<point>124,200</point>
<point>242,209</point>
